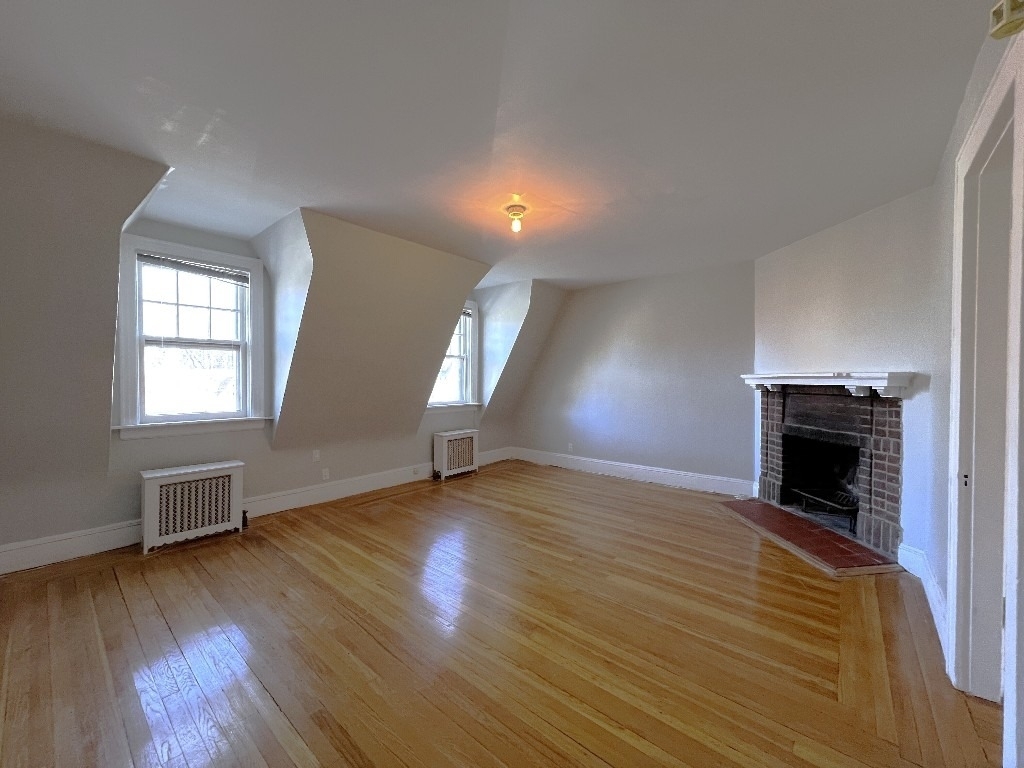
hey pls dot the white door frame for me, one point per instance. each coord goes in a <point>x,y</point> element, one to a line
<point>1003,102</point>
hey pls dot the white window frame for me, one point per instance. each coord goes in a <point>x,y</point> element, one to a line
<point>472,385</point>
<point>130,339</point>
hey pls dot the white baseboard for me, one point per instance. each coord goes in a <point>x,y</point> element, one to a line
<point>500,454</point>
<point>338,489</point>
<point>916,562</point>
<point>22,555</point>
<point>675,478</point>
<point>54,549</point>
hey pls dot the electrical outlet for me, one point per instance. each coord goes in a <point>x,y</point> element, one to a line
<point>571,448</point>
<point>326,473</point>
<point>316,455</point>
<point>415,471</point>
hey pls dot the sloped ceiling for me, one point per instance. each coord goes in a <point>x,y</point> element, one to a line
<point>645,136</point>
<point>366,336</point>
<point>58,310</point>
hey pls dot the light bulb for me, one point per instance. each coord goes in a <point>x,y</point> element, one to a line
<point>516,213</point>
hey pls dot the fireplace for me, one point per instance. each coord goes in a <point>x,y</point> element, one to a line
<point>833,444</point>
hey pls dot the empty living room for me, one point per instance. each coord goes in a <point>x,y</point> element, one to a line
<point>477,383</point>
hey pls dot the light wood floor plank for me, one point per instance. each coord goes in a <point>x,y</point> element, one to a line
<point>958,737</point>
<point>524,616</point>
<point>194,718</point>
<point>151,734</point>
<point>87,725</point>
<point>988,720</point>
<point>27,726</point>
<point>299,682</point>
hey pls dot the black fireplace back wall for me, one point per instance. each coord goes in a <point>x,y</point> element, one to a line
<point>817,465</point>
<point>838,413</point>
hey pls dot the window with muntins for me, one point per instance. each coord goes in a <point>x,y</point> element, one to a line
<point>193,338</point>
<point>188,346</point>
<point>456,381</point>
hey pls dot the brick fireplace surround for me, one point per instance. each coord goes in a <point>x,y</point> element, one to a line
<point>832,414</point>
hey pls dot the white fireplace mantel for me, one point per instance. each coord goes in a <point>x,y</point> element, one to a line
<point>885,383</point>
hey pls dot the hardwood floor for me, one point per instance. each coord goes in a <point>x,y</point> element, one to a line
<point>527,616</point>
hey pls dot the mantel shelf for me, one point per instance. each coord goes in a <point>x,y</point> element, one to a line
<point>885,383</point>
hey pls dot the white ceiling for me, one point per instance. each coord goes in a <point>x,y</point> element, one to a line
<point>646,136</point>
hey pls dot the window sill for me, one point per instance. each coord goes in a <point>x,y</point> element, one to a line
<point>452,407</point>
<point>173,428</point>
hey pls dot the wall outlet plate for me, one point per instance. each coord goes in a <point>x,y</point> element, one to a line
<point>326,473</point>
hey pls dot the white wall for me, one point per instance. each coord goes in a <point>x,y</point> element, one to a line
<point>648,372</point>
<point>273,470</point>
<point>64,202</point>
<point>503,310</point>
<point>288,261</point>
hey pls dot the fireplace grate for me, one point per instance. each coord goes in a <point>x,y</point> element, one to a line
<point>830,501</point>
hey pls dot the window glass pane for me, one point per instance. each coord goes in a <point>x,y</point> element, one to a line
<point>159,319</point>
<point>224,325</point>
<point>179,381</point>
<point>158,284</point>
<point>194,323</point>
<point>223,295</point>
<point>193,289</point>
<point>449,385</point>
<point>455,345</point>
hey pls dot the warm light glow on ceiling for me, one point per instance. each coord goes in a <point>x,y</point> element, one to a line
<point>554,200</point>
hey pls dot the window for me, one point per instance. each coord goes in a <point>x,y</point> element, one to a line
<point>189,350</point>
<point>456,382</point>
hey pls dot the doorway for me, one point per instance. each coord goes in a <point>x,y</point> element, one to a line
<point>983,416</point>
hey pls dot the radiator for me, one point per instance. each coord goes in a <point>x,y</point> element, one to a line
<point>454,452</point>
<point>182,503</point>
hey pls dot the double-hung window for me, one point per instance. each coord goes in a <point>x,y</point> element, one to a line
<point>456,382</point>
<point>190,349</point>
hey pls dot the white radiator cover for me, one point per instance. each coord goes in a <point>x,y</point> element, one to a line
<point>455,452</point>
<point>180,503</point>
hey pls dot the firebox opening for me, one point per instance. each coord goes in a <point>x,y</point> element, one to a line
<point>820,476</point>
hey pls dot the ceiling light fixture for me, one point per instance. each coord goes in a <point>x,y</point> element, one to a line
<point>516,213</point>
<point>1006,19</point>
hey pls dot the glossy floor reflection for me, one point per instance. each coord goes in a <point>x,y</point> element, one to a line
<point>526,616</point>
<point>443,579</point>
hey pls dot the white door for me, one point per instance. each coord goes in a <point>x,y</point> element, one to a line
<point>984,419</point>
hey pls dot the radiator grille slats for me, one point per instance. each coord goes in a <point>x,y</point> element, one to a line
<point>460,453</point>
<point>194,504</point>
